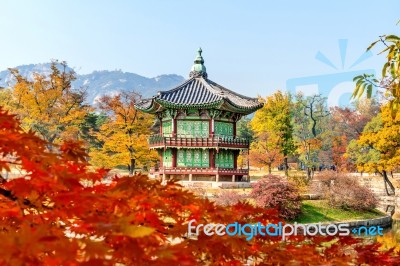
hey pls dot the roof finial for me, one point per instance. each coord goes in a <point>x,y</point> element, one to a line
<point>198,69</point>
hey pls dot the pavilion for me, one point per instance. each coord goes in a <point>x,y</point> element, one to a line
<point>197,139</point>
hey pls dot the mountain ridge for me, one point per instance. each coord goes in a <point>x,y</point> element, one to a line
<point>102,82</point>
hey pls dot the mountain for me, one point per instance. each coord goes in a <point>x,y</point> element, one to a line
<point>108,82</point>
<point>103,82</point>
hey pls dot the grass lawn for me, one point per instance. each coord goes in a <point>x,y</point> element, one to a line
<point>314,211</point>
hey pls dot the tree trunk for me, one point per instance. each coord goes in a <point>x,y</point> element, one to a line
<point>308,173</point>
<point>387,182</point>
<point>132,166</point>
<point>286,164</point>
<point>269,168</point>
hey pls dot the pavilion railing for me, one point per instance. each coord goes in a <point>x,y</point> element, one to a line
<point>198,170</point>
<point>181,140</point>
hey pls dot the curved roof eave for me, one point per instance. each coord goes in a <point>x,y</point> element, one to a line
<point>254,107</point>
<point>240,109</point>
<point>151,108</point>
<point>188,106</point>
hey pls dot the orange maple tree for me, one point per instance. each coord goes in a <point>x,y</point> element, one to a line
<point>266,150</point>
<point>62,213</point>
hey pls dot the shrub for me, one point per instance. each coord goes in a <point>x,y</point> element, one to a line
<point>300,180</point>
<point>228,197</point>
<point>275,192</point>
<point>344,191</point>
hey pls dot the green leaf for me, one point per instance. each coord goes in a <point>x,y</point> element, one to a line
<point>360,86</point>
<point>361,91</point>
<point>359,82</point>
<point>369,91</point>
<point>372,45</point>
<point>393,70</point>
<point>392,38</point>
<point>384,69</point>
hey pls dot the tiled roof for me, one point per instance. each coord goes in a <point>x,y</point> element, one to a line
<point>199,92</point>
<point>193,91</point>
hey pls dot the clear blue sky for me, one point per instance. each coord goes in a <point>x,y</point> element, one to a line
<point>252,47</point>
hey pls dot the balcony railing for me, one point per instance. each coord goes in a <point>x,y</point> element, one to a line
<point>161,140</point>
<point>194,170</point>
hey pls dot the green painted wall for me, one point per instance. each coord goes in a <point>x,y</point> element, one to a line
<point>193,158</point>
<point>223,128</point>
<point>224,159</point>
<point>167,128</point>
<point>167,158</point>
<point>187,128</point>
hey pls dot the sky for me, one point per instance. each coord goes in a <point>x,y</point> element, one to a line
<point>252,47</point>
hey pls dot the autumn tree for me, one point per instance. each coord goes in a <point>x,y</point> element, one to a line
<point>390,77</point>
<point>124,133</point>
<point>348,124</point>
<point>60,213</point>
<point>352,120</point>
<point>275,119</point>
<point>377,149</point>
<point>310,118</point>
<point>266,150</point>
<point>47,104</point>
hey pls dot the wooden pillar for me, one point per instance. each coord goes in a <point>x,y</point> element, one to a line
<point>190,177</point>
<point>234,129</point>
<point>248,163</point>
<point>174,154</point>
<point>235,156</point>
<point>173,127</point>
<point>161,153</point>
<point>161,129</point>
<point>233,178</point>
<point>217,178</point>
<point>211,158</point>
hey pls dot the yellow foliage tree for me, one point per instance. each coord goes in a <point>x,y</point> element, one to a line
<point>275,119</point>
<point>378,148</point>
<point>124,134</point>
<point>47,104</point>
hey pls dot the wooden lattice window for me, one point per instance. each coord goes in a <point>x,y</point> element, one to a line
<point>224,159</point>
<point>223,128</point>
<point>191,129</point>
<point>167,158</point>
<point>167,128</point>
<point>193,158</point>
